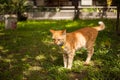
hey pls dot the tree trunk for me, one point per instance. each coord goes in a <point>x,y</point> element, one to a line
<point>34,1</point>
<point>117,22</point>
<point>76,10</point>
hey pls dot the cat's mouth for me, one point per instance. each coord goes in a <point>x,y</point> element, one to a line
<point>61,44</point>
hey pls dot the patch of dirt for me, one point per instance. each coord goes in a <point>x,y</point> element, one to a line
<point>77,75</point>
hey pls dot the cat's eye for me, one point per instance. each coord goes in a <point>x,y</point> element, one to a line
<point>58,39</point>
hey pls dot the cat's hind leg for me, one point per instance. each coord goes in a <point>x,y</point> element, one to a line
<point>89,55</point>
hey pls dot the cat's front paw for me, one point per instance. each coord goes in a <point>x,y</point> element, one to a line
<point>86,64</point>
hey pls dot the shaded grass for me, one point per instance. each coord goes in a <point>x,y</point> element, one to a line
<point>27,53</point>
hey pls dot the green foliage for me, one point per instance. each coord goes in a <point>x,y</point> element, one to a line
<point>27,53</point>
<point>12,6</point>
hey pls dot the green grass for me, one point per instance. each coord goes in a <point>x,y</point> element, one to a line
<point>27,53</point>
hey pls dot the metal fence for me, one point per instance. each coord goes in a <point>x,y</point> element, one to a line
<point>68,12</point>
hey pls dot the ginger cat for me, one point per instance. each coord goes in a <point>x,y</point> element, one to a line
<point>70,42</point>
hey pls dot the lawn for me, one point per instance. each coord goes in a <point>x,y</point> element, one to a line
<point>28,53</point>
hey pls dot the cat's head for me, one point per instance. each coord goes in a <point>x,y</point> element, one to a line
<point>58,36</point>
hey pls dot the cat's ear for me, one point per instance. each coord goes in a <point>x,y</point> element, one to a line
<point>52,31</point>
<point>64,32</point>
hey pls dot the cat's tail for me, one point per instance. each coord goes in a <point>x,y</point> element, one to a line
<point>100,27</point>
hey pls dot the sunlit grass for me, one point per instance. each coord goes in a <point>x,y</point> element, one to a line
<point>28,53</point>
